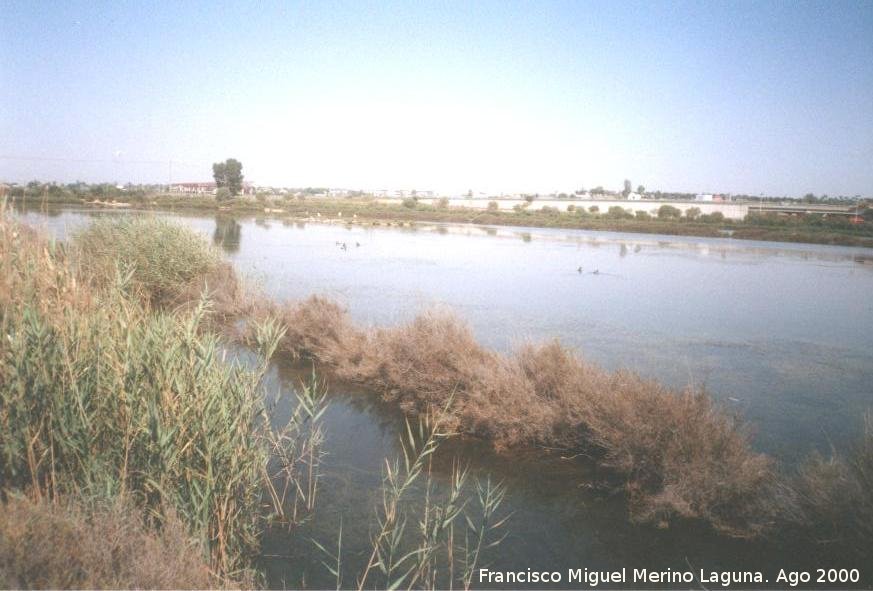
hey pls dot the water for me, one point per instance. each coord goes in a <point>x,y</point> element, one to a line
<point>779,333</point>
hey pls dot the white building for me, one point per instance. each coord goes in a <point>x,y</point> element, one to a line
<point>703,197</point>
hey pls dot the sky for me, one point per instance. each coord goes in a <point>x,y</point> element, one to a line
<point>500,97</point>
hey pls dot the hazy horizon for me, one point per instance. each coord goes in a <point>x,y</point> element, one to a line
<point>736,97</point>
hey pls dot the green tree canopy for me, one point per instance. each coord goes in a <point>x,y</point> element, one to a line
<point>228,174</point>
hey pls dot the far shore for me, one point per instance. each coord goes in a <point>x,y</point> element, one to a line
<point>808,229</point>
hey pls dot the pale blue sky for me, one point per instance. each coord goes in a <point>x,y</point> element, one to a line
<point>506,96</point>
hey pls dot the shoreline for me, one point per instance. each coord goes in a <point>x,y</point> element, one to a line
<point>373,213</point>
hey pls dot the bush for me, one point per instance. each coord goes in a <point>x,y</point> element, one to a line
<point>666,212</point>
<point>692,213</point>
<point>223,194</point>
<point>594,209</point>
<point>442,203</point>
<point>619,213</point>
<point>493,206</point>
<point>410,202</point>
<point>549,210</point>
<point>571,208</point>
<point>166,261</point>
<point>643,215</point>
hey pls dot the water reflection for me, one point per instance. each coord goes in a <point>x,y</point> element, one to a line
<point>227,234</point>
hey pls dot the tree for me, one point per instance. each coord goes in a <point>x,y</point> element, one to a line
<point>692,213</point>
<point>641,190</point>
<point>228,174</point>
<point>219,173</point>
<point>619,213</point>
<point>627,188</point>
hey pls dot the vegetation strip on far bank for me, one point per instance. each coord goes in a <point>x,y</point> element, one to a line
<point>812,229</point>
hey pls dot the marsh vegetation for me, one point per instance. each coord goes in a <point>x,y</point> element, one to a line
<point>120,389</point>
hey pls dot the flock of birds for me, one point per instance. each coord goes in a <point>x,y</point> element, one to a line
<point>344,246</point>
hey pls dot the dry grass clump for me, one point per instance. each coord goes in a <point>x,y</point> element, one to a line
<point>834,495</point>
<point>676,453</point>
<point>65,545</point>
<point>319,329</point>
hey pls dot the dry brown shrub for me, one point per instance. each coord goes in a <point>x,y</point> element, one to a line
<point>66,546</point>
<point>319,329</point>
<point>421,363</point>
<point>676,453</point>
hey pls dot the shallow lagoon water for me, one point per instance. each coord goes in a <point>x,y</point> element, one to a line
<point>779,333</point>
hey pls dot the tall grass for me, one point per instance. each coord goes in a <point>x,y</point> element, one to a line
<point>834,496</point>
<point>438,542</point>
<point>103,397</point>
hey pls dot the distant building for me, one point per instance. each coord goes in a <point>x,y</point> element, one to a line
<point>634,196</point>
<point>703,197</point>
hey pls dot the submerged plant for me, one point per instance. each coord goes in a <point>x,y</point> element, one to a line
<point>429,555</point>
